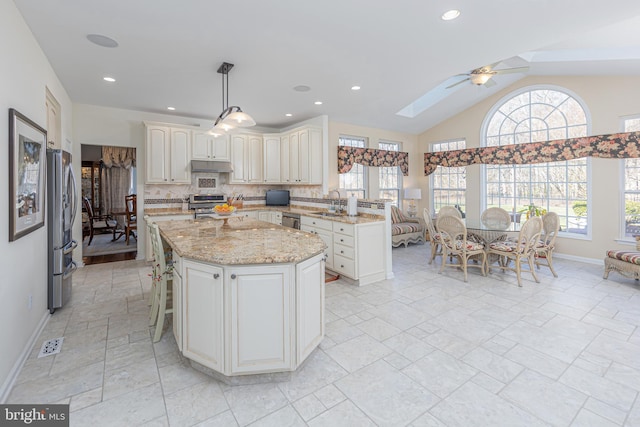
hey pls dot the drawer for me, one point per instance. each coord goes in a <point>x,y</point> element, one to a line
<point>342,228</point>
<point>345,251</point>
<point>344,266</point>
<point>316,222</point>
<point>343,239</point>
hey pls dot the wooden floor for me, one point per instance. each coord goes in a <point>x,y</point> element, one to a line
<point>101,259</point>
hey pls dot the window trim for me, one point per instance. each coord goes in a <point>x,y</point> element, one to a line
<point>365,174</point>
<point>400,182</point>
<point>622,231</point>
<point>483,143</point>
<point>432,201</point>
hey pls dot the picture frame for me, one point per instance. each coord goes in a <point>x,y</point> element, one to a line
<point>27,162</point>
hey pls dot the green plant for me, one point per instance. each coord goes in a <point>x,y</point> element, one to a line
<point>533,210</point>
<point>580,208</point>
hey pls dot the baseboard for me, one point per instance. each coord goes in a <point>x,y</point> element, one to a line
<point>594,261</point>
<point>17,367</point>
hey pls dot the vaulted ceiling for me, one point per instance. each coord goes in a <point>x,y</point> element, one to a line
<point>400,53</point>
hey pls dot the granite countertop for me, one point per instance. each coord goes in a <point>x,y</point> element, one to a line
<point>167,211</point>
<point>239,241</point>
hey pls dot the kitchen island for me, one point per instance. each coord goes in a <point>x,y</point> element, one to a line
<point>248,296</point>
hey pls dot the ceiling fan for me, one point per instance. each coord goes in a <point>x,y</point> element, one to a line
<point>482,76</point>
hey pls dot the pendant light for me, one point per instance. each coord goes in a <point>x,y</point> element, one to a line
<point>231,117</point>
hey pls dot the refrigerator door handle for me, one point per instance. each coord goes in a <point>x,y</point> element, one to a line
<point>75,196</point>
<point>72,267</point>
<point>71,246</point>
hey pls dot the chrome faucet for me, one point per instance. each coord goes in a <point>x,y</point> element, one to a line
<point>333,201</point>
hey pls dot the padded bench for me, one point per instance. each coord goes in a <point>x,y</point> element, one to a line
<point>405,230</point>
<point>626,263</point>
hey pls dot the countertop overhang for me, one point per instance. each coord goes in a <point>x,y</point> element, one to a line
<point>239,241</point>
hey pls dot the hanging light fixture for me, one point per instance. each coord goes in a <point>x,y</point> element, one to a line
<point>231,117</point>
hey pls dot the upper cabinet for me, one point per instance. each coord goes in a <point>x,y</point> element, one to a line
<point>246,159</point>
<point>167,155</point>
<point>271,155</point>
<point>304,156</point>
<point>210,147</point>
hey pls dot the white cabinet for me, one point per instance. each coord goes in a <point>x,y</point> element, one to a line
<point>259,318</point>
<point>310,303</point>
<point>167,155</point>
<point>256,159</point>
<point>177,299</point>
<point>205,146</point>
<point>324,229</point>
<point>284,159</point>
<point>304,164</point>
<point>270,216</point>
<point>249,214</point>
<point>271,157</point>
<point>203,299</point>
<point>158,218</point>
<point>247,159</point>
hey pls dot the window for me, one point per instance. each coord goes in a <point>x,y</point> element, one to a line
<point>531,116</point>
<point>354,181</point>
<point>390,179</point>
<point>631,186</point>
<point>448,185</point>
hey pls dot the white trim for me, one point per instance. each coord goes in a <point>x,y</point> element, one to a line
<point>594,261</point>
<point>622,221</point>
<point>24,355</point>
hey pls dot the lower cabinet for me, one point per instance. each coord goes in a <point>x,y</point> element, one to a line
<point>251,319</point>
<point>176,292</point>
<point>159,218</point>
<point>274,217</point>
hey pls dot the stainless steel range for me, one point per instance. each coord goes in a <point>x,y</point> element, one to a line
<point>203,204</point>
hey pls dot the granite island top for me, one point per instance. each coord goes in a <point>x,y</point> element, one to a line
<point>239,240</point>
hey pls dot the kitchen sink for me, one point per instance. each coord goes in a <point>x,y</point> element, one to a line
<point>324,213</point>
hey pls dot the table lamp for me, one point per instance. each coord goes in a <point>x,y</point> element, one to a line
<point>412,194</point>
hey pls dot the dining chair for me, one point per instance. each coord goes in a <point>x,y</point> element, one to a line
<point>130,220</point>
<point>162,276</point>
<point>453,235</point>
<point>450,211</point>
<point>98,223</point>
<point>434,236</point>
<point>496,218</point>
<point>518,251</point>
<point>546,244</point>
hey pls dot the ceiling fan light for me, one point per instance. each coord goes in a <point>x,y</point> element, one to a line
<point>240,119</point>
<point>480,79</point>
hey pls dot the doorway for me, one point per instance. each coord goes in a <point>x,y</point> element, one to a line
<point>108,175</point>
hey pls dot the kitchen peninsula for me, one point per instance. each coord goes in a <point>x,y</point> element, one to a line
<point>248,296</point>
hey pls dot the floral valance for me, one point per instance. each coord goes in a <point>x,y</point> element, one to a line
<point>118,157</point>
<point>612,146</point>
<point>348,156</point>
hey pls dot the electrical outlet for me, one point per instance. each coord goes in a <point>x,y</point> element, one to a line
<point>30,302</point>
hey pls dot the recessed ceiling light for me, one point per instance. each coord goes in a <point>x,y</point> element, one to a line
<point>171,108</point>
<point>318,102</point>
<point>288,114</point>
<point>355,87</point>
<point>101,40</point>
<point>302,88</point>
<point>109,79</point>
<point>450,14</point>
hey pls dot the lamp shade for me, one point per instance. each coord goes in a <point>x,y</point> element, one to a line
<point>412,193</point>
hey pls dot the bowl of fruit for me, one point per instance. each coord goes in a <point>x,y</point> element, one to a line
<point>224,210</point>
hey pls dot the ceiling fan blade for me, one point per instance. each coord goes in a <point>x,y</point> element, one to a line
<point>512,70</point>
<point>490,83</point>
<point>458,83</point>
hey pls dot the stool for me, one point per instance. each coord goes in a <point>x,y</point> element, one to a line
<point>627,263</point>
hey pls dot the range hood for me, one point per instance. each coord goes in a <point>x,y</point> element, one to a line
<point>207,166</point>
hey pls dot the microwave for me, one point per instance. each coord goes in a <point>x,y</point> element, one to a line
<point>277,198</point>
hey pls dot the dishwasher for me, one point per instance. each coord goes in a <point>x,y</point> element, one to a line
<point>291,220</point>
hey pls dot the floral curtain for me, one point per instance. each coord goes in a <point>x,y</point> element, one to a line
<point>348,156</point>
<point>612,146</point>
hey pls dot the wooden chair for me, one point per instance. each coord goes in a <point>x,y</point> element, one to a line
<point>130,221</point>
<point>519,251</point>
<point>546,245</point>
<point>98,223</point>
<point>450,211</point>
<point>434,236</point>
<point>161,288</point>
<point>496,218</point>
<point>453,234</point>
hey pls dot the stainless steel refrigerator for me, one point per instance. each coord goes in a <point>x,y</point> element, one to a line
<point>62,205</point>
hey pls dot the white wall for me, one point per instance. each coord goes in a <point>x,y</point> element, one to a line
<point>607,99</point>
<point>23,77</point>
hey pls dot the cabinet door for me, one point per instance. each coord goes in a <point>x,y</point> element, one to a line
<point>238,159</point>
<point>201,146</point>
<point>272,159</point>
<point>303,157</point>
<point>294,149</point>
<point>256,161</point>
<point>264,216</point>
<point>220,148</point>
<point>260,318</point>
<point>177,302</point>
<point>310,303</point>
<point>284,159</point>
<point>202,308</point>
<point>179,156</point>
<point>327,238</point>
<point>315,156</point>
<point>157,156</point>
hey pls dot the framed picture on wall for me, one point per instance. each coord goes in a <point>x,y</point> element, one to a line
<point>27,159</point>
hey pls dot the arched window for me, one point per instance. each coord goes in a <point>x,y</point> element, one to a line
<point>534,115</point>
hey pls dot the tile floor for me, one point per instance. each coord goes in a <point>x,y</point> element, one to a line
<point>423,349</point>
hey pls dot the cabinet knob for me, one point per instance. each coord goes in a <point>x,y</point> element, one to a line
<point>216,275</point>
<point>233,276</point>
<point>342,229</point>
<point>342,240</point>
<point>341,266</point>
<point>341,252</point>
<point>165,179</point>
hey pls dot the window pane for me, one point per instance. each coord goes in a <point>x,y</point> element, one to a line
<point>448,185</point>
<point>390,179</point>
<point>632,186</point>
<point>354,180</point>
